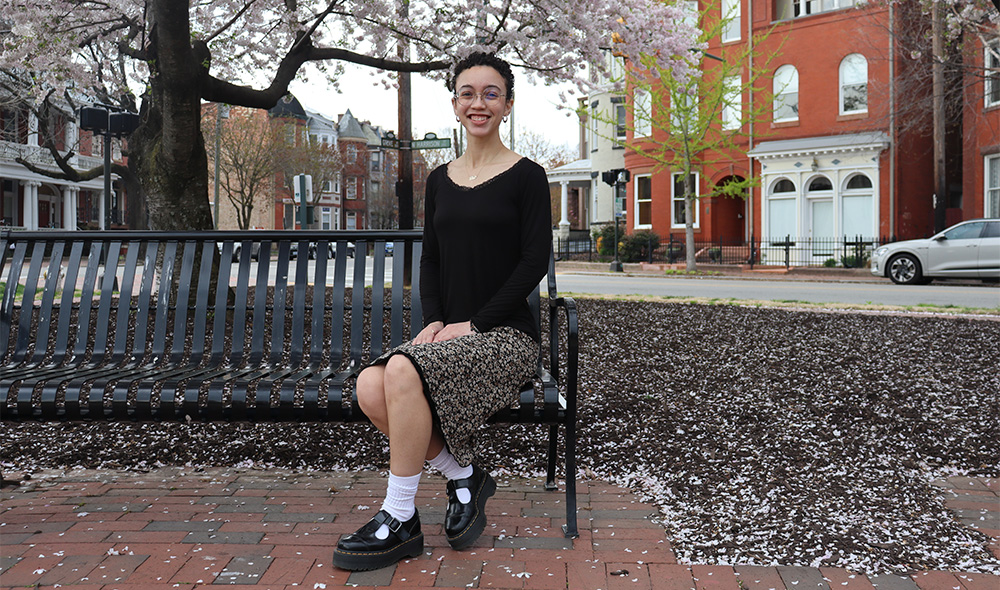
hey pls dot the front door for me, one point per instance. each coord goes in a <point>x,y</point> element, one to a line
<point>821,228</point>
<point>43,214</point>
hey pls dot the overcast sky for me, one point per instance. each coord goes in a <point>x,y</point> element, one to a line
<point>535,106</point>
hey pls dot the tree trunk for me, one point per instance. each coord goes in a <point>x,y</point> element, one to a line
<point>690,264</point>
<point>167,150</point>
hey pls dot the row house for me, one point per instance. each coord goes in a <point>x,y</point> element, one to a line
<point>981,149</point>
<point>844,147</point>
<point>581,199</point>
<point>353,145</point>
<point>33,201</point>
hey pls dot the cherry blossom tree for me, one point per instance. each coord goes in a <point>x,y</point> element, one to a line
<point>167,56</point>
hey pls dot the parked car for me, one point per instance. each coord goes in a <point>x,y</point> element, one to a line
<point>237,248</point>
<point>967,250</point>
<point>331,252</point>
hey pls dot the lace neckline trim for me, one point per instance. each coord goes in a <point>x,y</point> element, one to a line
<point>484,183</point>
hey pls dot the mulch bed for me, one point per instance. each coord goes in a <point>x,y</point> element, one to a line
<point>765,436</point>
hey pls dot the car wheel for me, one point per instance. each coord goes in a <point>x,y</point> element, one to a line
<point>904,269</point>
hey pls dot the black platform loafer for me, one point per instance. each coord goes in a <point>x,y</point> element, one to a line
<point>362,550</point>
<point>463,523</point>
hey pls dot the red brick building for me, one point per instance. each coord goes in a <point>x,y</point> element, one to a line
<point>981,152</point>
<point>844,147</point>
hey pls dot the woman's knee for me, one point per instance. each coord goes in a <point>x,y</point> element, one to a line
<point>371,391</point>
<point>401,378</point>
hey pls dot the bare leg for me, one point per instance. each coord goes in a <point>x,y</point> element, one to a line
<point>372,385</point>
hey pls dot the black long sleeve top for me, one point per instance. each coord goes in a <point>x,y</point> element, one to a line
<point>485,248</point>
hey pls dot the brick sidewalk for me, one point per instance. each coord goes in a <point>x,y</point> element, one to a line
<point>177,528</point>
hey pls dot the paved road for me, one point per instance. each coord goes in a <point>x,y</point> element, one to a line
<point>861,292</point>
<point>968,294</point>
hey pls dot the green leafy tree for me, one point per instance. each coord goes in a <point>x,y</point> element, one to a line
<point>688,123</point>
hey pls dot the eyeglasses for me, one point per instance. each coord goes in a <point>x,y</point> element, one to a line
<point>467,97</point>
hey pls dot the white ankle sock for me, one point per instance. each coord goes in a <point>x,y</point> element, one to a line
<point>445,463</point>
<point>399,500</point>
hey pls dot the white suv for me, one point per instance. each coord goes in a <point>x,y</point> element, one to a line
<point>968,250</point>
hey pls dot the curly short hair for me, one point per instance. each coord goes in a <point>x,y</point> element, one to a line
<point>480,58</point>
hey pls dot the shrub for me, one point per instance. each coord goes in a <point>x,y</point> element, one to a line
<point>854,261</point>
<point>830,262</point>
<point>605,239</point>
<point>638,246</point>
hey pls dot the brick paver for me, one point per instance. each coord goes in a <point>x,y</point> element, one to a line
<point>176,528</point>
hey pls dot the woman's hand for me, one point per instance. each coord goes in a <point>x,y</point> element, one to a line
<point>428,333</point>
<point>453,331</point>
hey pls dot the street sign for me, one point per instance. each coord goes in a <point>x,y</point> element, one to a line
<point>430,142</point>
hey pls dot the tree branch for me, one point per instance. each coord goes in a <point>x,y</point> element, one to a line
<point>217,90</point>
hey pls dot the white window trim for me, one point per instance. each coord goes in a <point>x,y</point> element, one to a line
<point>840,86</point>
<point>731,32</point>
<point>990,80</point>
<point>771,195</point>
<point>986,182</point>
<point>733,103</point>
<point>620,110</point>
<point>635,201</point>
<point>857,192</point>
<point>673,197</point>
<point>642,121</point>
<point>782,93</point>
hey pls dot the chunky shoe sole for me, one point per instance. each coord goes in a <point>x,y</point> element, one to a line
<point>472,532</point>
<point>360,561</point>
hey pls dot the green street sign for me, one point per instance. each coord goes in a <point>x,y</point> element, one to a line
<point>430,144</point>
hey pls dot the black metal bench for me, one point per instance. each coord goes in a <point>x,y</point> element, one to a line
<point>157,326</point>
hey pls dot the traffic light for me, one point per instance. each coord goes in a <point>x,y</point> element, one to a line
<point>612,177</point>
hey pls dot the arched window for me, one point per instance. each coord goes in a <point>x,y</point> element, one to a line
<point>786,93</point>
<point>781,210</point>
<point>783,186</point>
<point>859,181</point>
<point>820,183</point>
<point>854,84</point>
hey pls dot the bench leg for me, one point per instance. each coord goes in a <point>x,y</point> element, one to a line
<point>550,478</point>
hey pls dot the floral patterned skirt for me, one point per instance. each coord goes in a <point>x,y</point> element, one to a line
<point>468,379</point>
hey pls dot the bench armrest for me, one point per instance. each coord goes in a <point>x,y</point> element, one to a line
<point>568,306</point>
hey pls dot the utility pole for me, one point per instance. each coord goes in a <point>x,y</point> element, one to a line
<point>937,71</point>
<point>404,186</point>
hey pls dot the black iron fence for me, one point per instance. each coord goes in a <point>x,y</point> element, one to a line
<point>786,251</point>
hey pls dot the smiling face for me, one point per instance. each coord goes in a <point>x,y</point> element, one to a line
<point>481,117</point>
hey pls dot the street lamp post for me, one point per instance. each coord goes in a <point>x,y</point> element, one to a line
<point>101,121</point>
<point>617,178</point>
